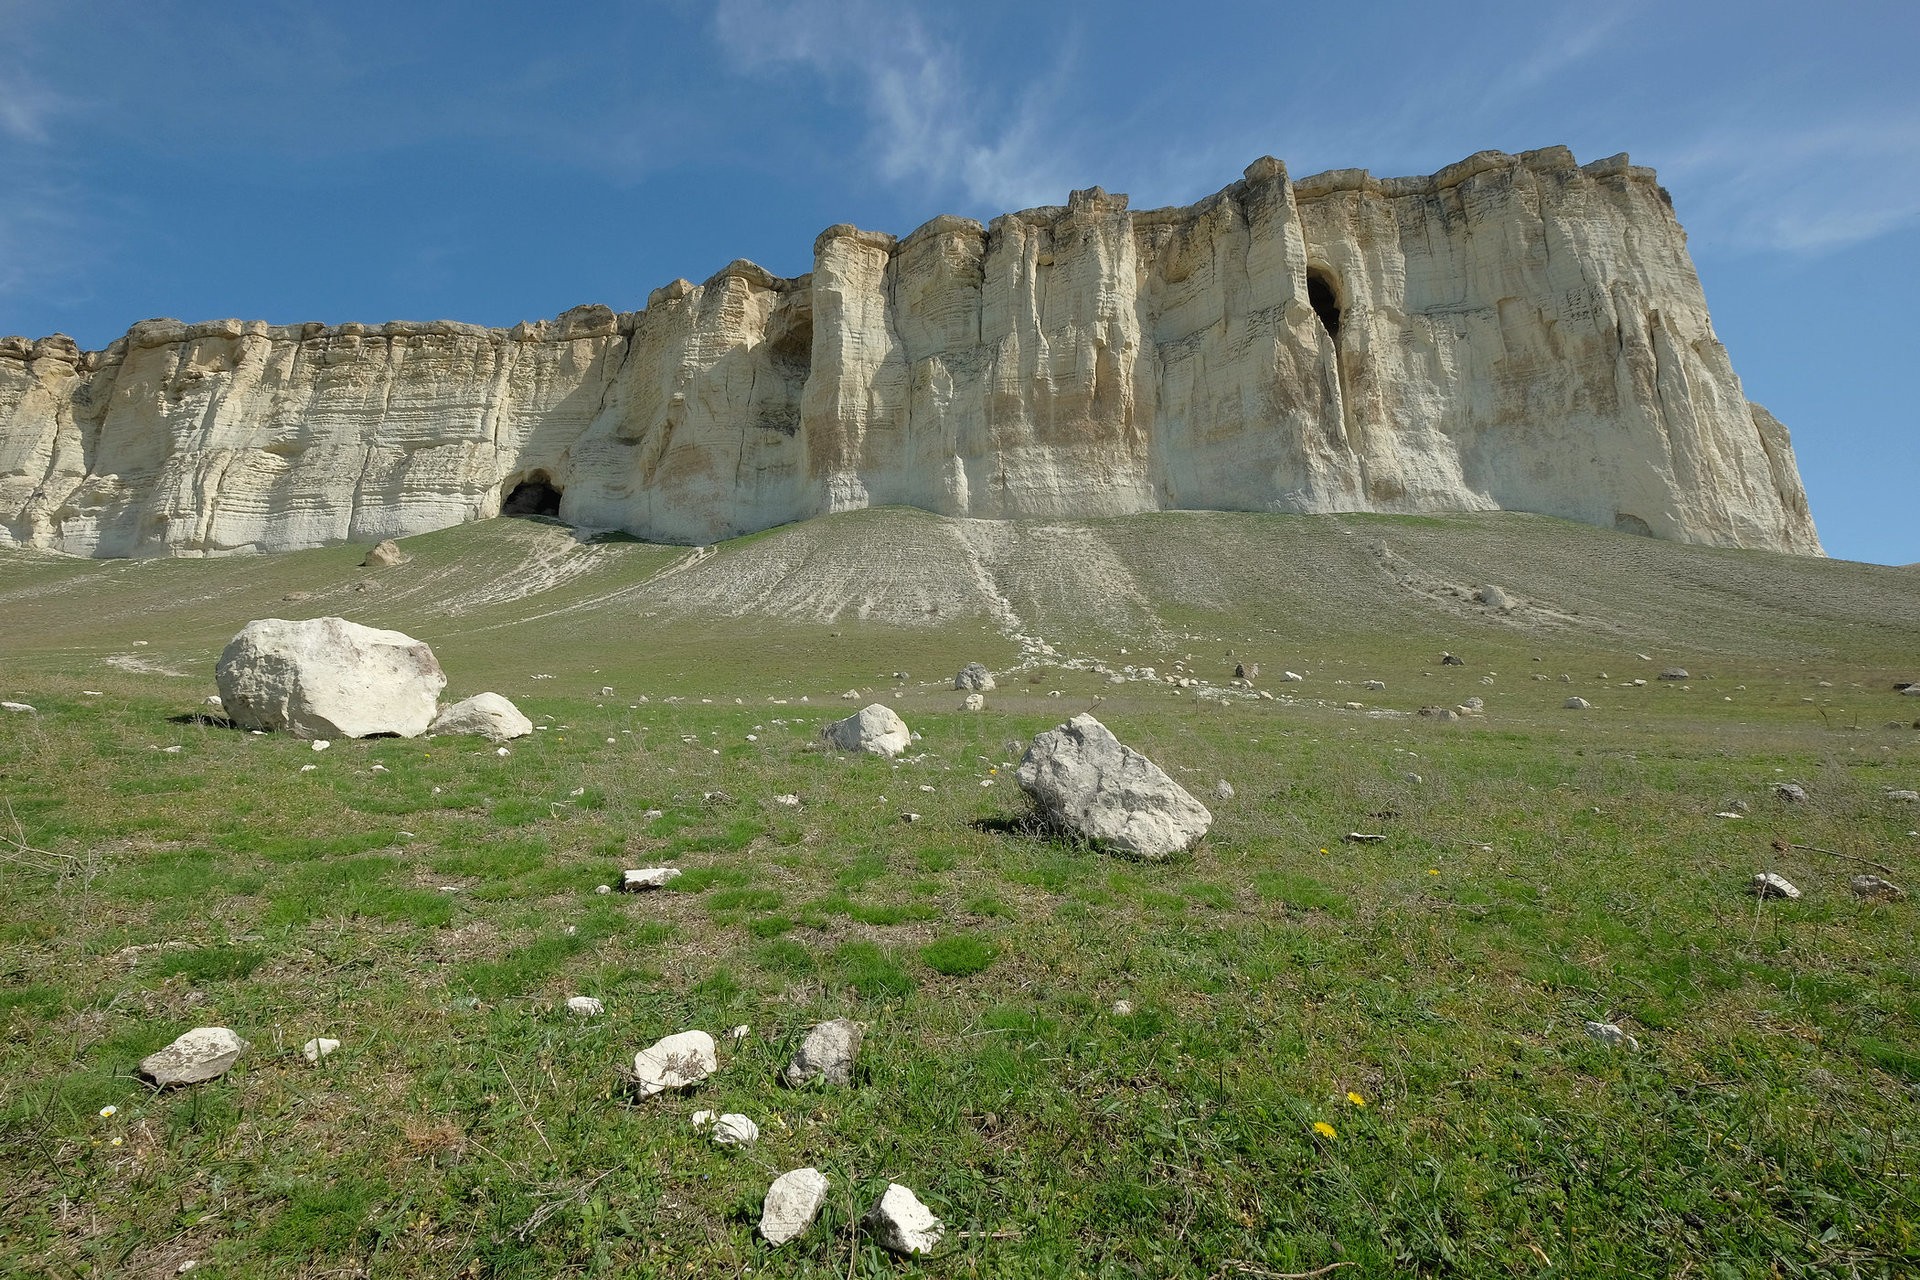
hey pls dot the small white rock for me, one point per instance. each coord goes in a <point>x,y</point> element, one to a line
<point>1122,1008</point>
<point>739,1033</point>
<point>501,751</point>
<point>321,744</point>
<point>701,1119</point>
<point>1768,885</point>
<point>1611,1036</point>
<point>585,1007</point>
<point>735,1130</point>
<point>790,800</point>
<point>603,888</point>
<point>318,1048</point>
<point>309,768</point>
<point>792,1203</point>
<point>1877,887</point>
<point>904,1225</point>
<point>639,878</point>
<point>25,707</point>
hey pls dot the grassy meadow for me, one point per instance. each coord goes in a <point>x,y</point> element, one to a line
<point>1333,1057</point>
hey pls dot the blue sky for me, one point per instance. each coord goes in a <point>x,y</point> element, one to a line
<point>493,163</point>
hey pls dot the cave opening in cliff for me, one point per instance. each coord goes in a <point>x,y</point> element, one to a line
<point>1325,300</point>
<point>537,495</point>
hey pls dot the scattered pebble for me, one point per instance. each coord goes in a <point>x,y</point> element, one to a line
<point>1611,1036</point>
<point>1768,885</point>
<point>1223,790</point>
<point>25,707</point>
<point>603,888</point>
<point>318,1048</point>
<point>321,744</point>
<point>789,799</point>
<point>1122,1008</point>
<point>585,1007</point>
<point>1577,704</point>
<point>309,768</point>
<point>639,878</point>
<point>739,1033</point>
<point>1791,792</point>
<point>1877,887</point>
<point>501,751</point>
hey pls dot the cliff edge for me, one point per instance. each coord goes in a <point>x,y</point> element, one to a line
<point>1511,333</point>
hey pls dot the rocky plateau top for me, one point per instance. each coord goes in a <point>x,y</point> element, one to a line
<point>1511,333</point>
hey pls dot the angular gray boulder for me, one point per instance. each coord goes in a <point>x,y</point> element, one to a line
<point>975,677</point>
<point>328,678</point>
<point>874,729</point>
<point>827,1054</point>
<point>1088,783</point>
<point>792,1203</point>
<point>490,715</point>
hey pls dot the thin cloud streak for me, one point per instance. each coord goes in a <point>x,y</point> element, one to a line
<point>921,106</point>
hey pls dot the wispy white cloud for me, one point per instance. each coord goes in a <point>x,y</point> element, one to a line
<point>27,108</point>
<point>1810,189</point>
<point>929,117</point>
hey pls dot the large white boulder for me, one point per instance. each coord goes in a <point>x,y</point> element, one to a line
<point>874,729</point>
<point>1090,784</point>
<point>974,676</point>
<point>328,678</point>
<point>490,715</point>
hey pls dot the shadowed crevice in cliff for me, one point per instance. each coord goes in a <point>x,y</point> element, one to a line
<point>537,495</point>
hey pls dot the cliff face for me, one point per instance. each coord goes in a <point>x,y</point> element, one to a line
<point>1512,333</point>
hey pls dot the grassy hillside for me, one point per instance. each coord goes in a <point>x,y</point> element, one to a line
<point>1361,1056</point>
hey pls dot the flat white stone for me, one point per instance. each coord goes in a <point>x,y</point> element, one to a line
<point>318,1048</point>
<point>203,1053</point>
<point>489,715</point>
<point>792,1203</point>
<point>1877,887</point>
<point>585,1007</point>
<point>639,878</point>
<point>678,1061</point>
<point>1768,885</point>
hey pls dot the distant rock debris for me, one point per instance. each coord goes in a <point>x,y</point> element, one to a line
<point>385,555</point>
<point>974,676</point>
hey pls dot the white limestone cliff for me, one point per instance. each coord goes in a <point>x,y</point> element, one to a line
<point>1514,332</point>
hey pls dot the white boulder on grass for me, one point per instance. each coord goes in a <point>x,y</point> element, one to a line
<point>1086,782</point>
<point>490,715</point>
<point>874,729</point>
<point>203,1053</point>
<point>678,1061</point>
<point>975,677</point>
<point>328,678</point>
<point>902,1224</point>
<point>792,1203</point>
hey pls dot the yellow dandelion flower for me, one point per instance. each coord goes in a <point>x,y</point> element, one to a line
<point>1356,1099</point>
<point>1324,1129</point>
<point>1323,851</point>
<point>1433,871</point>
<point>107,1113</point>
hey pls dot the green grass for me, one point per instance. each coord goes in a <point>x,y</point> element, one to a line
<point>1546,869</point>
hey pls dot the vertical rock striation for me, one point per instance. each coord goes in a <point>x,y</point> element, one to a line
<point>1514,332</point>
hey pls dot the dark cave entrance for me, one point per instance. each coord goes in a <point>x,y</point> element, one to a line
<point>537,495</point>
<point>1325,301</point>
